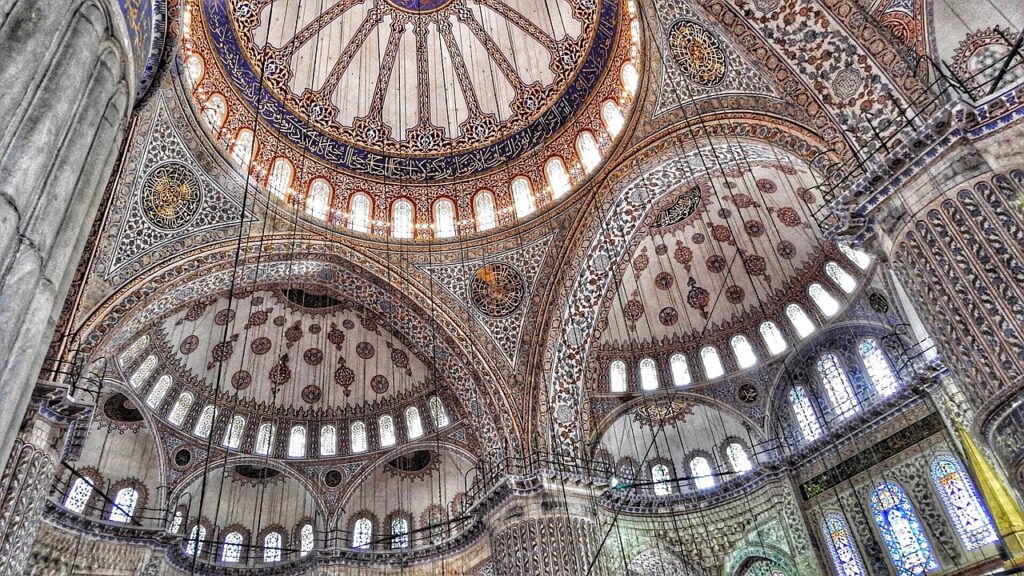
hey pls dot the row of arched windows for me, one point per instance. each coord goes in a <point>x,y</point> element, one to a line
<point>700,469</point>
<point>121,508</point>
<point>834,380</point>
<point>234,543</point>
<point>742,348</point>
<point>901,529</point>
<point>397,536</point>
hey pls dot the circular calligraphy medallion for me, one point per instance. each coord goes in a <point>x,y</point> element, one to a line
<point>497,289</point>
<point>698,52</point>
<point>171,195</point>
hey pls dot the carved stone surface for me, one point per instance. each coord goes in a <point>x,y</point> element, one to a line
<point>23,489</point>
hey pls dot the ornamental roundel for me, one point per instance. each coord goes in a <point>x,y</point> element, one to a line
<point>747,393</point>
<point>171,196</point>
<point>698,52</point>
<point>379,384</point>
<point>497,289</point>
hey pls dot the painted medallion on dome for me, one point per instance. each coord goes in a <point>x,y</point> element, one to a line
<point>497,289</point>
<point>171,196</point>
<point>698,52</point>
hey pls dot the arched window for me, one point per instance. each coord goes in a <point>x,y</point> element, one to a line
<point>402,216</point>
<point>437,412</point>
<point>195,540</point>
<point>844,554</point>
<point>611,115</point>
<point>444,218</point>
<point>205,421</point>
<point>648,374</point>
<point>265,438</point>
<point>297,442</point>
<point>215,112</point>
<point>798,318</point>
<point>712,363</point>
<point>180,410</point>
<point>156,395</point>
<point>738,459</point>
<point>484,210</point>
<point>78,496</point>
<point>858,257</point>
<point>804,413</point>
<point>617,376</point>
<point>680,369</point>
<point>306,539</point>
<point>143,372</point>
<point>386,424</point>
<point>901,530</point>
<point>413,425</point>
<point>877,367</point>
<point>630,78</point>
<point>586,147</point>
<point>232,550</point>
<point>176,522</point>
<point>233,434</point>
<point>132,351</point>
<point>841,277</point>
<point>195,69</point>
<point>823,300</point>
<point>399,532</point>
<point>962,504</point>
<point>362,533</point>
<point>272,547</point>
<point>660,476</point>
<point>772,337</point>
<point>359,208</point>
<point>744,352</point>
<point>124,505</point>
<point>558,176</point>
<point>837,385</point>
<point>244,148</point>
<point>319,199</point>
<point>358,431</point>
<point>328,440</point>
<point>700,469</point>
<point>280,177</point>
<point>522,196</point>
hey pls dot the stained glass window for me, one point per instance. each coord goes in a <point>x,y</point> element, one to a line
<point>680,369</point>
<point>232,550</point>
<point>180,410</point>
<point>78,496</point>
<point>124,505</point>
<point>858,257</point>
<point>964,507</point>
<point>823,300</point>
<point>738,459</point>
<point>877,366</point>
<point>143,371</point>
<point>386,424</point>
<point>358,430</point>
<point>841,277</point>
<point>586,147</point>
<point>272,547</point>
<point>359,212</point>
<point>798,318</point>
<point>399,533</point>
<point>132,351</point>
<point>195,540</point>
<point>484,210</point>
<point>444,218</point>
<point>159,390</point>
<point>745,356</point>
<point>328,440</point>
<point>265,438</point>
<point>773,339</point>
<point>522,196</point>
<point>700,469</point>
<point>402,219</point>
<point>413,425</point>
<point>280,177</point>
<point>840,545</point>
<point>648,374</point>
<point>437,412</point>
<point>233,434</point>
<point>837,385</point>
<point>806,419</point>
<point>297,442</point>
<point>660,476</point>
<point>205,421</point>
<point>712,363</point>
<point>558,176</point>
<point>617,376</point>
<point>611,115</point>
<point>901,530</point>
<point>362,533</point>
<point>319,199</point>
<point>306,540</point>
<point>243,148</point>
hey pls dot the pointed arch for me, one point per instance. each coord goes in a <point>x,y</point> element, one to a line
<point>901,530</point>
<point>962,503</point>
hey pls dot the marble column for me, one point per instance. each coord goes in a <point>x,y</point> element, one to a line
<point>67,94</point>
<point>23,489</point>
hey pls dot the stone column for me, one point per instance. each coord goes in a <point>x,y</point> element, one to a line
<point>67,93</point>
<point>23,489</point>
